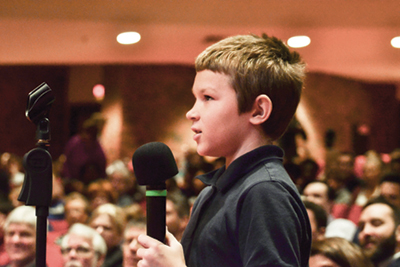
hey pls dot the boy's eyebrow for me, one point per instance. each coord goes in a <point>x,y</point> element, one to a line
<point>204,89</point>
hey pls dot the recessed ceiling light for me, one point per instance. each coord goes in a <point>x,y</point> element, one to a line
<point>128,38</point>
<point>299,41</point>
<point>395,42</point>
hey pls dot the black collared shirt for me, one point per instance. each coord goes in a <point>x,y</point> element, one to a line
<point>250,215</point>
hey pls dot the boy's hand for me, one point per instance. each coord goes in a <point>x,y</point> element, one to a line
<point>156,254</point>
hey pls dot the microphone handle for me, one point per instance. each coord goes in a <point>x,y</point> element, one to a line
<point>156,211</point>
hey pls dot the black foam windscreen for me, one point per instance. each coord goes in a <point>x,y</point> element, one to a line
<point>153,163</point>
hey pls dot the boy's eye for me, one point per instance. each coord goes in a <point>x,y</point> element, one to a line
<point>207,97</point>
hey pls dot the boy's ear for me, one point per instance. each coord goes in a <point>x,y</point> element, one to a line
<point>262,109</point>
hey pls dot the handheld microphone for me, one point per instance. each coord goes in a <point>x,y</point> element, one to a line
<point>153,164</point>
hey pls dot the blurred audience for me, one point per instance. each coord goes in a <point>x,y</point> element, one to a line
<point>379,232</point>
<point>20,237</point>
<point>337,252</point>
<point>85,159</point>
<point>321,193</point>
<point>337,196</point>
<point>394,164</point>
<point>130,245</point>
<point>177,213</point>
<point>308,173</point>
<point>346,173</point>
<point>373,170</point>
<point>5,209</point>
<point>82,246</point>
<point>339,184</point>
<point>11,165</point>
<point>134,211</point>
<point>342,228</point>
<point>194,165</point>
<point>56,209</point>
<point>318,220</point>
<point>13,196</point>
<point>76,210</point>
<point>331,152</point>
<point>109,221</point>
<point>390,188</point>
<point>124,184</point>
<point>100,192</point>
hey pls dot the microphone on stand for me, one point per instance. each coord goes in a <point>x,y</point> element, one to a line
<point>153,164</point>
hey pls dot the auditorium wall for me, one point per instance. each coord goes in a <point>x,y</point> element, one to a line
<point>145,103</point>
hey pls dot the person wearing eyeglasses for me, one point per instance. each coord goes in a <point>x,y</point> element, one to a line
<point>83,246</point>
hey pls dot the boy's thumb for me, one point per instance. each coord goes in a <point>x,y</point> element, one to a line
<point>171,240</point>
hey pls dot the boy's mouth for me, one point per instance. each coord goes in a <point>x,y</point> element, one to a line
<point>196,133</point>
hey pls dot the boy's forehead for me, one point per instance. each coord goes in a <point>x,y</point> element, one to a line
<point>210,80</point>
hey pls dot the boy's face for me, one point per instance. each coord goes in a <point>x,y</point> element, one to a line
<point>219,129</point>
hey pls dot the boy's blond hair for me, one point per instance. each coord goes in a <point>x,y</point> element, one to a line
<point>259,65</point>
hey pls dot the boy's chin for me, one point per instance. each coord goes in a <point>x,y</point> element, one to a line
<point>202,151</point>
<point>207,153</point>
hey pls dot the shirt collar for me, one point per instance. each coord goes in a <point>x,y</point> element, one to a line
<point>224,179</point>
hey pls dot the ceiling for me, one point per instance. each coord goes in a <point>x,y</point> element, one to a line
<point>349,38</point>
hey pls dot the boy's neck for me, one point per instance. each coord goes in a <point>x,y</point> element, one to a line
<point>247,147</point>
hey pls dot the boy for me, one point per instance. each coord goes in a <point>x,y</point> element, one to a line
<point>247,89</point>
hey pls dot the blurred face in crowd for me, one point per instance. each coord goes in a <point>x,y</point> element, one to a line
<point>176,225</point>
<point>372,173</point>
<point>79,252</point>
<point>20,242</point>
<point>321,261</point>
<point>107,229</point>
<point>346,165</point>
<point>391,191</point>
<point>120,183</point>
<point>75,212</point>
<point>2,220</point>
<point>377,232</point>
<point>317,234</point>
<point>131,245</point>
<point>318,193</point>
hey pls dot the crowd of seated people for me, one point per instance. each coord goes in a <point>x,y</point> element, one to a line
<point>114,206</point>
<point>340,199</point>
<point>357,220</point>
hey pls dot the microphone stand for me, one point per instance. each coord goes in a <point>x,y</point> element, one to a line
<point>38,183</point>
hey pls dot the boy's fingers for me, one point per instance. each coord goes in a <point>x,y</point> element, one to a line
<point>171,240</point>
<point>140,252</point>
<point>147,241</point>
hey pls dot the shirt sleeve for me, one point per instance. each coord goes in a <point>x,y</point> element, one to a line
<point>271,225</point>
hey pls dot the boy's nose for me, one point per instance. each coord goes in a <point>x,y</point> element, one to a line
<point>192,114</point>
<point>189,114</point>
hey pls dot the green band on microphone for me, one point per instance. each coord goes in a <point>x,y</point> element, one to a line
<point>156,193</point>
